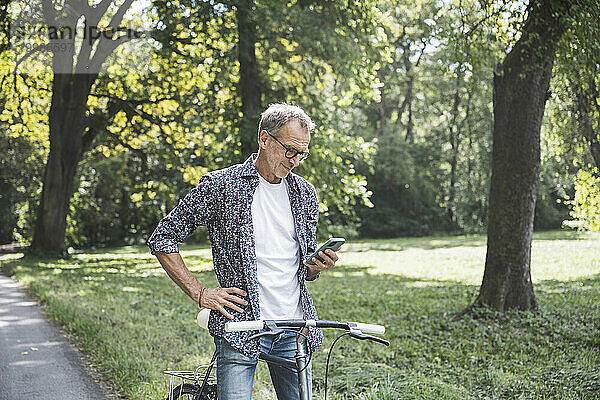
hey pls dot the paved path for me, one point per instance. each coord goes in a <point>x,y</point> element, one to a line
<point>36,361</point>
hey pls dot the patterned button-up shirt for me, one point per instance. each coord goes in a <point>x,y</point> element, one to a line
<point>222,202</point>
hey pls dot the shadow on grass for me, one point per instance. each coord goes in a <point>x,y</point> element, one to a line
<point>593,280</point>
<point>140,249</point>
<point>443,242</point>
<point>486,356</point>
<point>84,262</point>
<point>564,235</point>
<point>402,244</point>
<point>131,272</point>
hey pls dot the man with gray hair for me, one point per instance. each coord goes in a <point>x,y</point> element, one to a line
<point>262,223</point>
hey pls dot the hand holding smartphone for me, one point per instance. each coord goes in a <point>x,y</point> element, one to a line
<point>333,244</point>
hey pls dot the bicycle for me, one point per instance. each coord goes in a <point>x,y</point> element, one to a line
<point>201,383</point>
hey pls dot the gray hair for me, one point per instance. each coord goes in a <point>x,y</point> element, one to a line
<point>279,114</point>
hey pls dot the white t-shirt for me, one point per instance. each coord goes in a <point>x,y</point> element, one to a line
<point>277,251</point>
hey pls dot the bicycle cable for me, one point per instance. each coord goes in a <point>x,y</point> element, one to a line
<point>307,348</point>
<point>328,356</point>
<point>207,373</point>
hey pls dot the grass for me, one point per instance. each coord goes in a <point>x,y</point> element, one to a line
<point>124,311</point>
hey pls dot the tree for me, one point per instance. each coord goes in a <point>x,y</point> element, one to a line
<point>521,86</point>
<point>182,115</point>
<point>68,119</point>
<point>433,122</point>
<point>281,54</point>
<point>249,86</point>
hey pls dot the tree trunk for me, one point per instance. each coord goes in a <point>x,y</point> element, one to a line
<point>410,124</point>
<point>67,125</point>
<point>408,98</point>
<point>381,106</point>
<point>67,119</point>
<point>250,91</point>
<point>454,145</point>
<point>521,85</point>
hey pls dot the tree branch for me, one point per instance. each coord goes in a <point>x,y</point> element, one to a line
<point>95,13</point>
<point>116,20</point>
<point>129,108</point>
<point>130,101</point>
<point>49,12</point>
<point>104,49</point>
<point>27,55</point>
<point>106,46</point>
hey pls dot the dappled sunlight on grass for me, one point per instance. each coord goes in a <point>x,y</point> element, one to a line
<point>456,264</point>
<point>559,255</point>
<point>135,322</point>
<point>425,243</point>
<point>419,284</point>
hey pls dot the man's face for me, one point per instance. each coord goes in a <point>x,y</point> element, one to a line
<point>293,136</point>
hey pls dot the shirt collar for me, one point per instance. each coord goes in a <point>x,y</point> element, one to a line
<point>248,169</point>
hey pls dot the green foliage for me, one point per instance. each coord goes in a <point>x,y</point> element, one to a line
<point>554,190</point>
<point>404,197</point>
<point>401,93</point>
<point>586,204</point>
<point>571,135</point>
<point>134,322</point>
<point>433,119</point>
<point>20,169</point>
<point>23,151</point>
<point>199,44</point>
<point>165,125</point>
<point>120,201</point>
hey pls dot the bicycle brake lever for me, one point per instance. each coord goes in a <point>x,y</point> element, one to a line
<point>261,334</point>
<point>271,330</point>
<point>362,336</point>
<point>378,340</point>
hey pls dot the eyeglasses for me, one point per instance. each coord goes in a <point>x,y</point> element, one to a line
<point>291,152</point>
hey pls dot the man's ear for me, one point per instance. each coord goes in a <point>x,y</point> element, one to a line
<point>262,139</point>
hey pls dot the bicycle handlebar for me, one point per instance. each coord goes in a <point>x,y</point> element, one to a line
<point>203,316</point>
<point>244,326</point>
<point>299,323</point>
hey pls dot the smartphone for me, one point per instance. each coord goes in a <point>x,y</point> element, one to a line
<point>333,244</point>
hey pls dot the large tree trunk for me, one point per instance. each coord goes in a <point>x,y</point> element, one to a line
<point>249,79</point>
<point>67,119</point>
<point>521,87</point>
<point>67,126</point>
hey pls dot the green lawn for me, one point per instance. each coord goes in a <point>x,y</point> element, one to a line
<point>134,322</point>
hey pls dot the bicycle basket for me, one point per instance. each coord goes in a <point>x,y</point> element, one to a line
<point>200,384</point>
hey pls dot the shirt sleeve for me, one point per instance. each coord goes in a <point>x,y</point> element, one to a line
<point>197,208</point>
<point>312,220</point>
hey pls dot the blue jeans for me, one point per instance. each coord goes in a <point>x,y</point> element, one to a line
<point>235,371</point>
